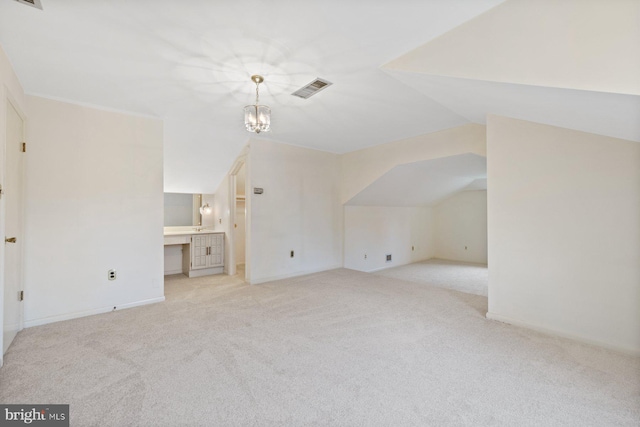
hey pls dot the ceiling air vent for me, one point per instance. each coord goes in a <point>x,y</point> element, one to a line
<point>312,88</point>
<point>34,3</point>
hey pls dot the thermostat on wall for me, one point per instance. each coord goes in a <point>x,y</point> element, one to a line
<point>257,190</point>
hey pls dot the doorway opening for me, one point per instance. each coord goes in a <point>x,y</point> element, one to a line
<point>238,261</point>
<point>240,221</point>
<point>423,221</point>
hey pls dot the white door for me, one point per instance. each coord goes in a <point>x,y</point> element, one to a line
<point>12,199</point>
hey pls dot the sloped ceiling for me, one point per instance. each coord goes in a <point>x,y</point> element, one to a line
<point>570,63</point>
<point>576,44</point>
<point>609,114</point>
<point>425,183</point>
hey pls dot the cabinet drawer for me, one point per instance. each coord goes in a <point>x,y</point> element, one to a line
<point>177,240</point>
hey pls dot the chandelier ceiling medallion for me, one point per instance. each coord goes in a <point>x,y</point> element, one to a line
<point>257,118</point>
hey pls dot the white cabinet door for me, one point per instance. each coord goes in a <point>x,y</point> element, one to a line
<point>199,251</point>
<point>217,250</point>
<point>209,255</point>
<point>207,250</point>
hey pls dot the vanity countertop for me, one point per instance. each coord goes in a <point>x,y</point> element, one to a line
<point>189,232</point>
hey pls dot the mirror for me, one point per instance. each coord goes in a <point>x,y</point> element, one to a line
<point>182,209</point>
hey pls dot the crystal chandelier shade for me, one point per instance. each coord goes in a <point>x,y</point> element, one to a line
<point>257,118</point>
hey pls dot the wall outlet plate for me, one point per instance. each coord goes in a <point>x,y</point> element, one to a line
<point>111,274</point>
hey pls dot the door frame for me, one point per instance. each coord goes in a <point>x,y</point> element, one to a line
<point>241,161</point>
<point>8,98</point>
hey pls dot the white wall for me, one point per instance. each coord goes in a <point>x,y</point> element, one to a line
<point>380,230</point>
<point>564,231</point>
<point>94,201</point>
<point>300,210</point>
<point>10,89</point>
<point>460,225</point>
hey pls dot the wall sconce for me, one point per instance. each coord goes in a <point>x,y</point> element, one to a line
<point>205,209</point>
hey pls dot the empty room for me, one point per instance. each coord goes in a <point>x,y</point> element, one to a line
<point>279,213</point>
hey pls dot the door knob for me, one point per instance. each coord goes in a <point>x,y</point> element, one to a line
<point>10,239</point>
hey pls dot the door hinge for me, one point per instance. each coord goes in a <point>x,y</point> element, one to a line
<point>24,147</point>
<point>21,296</point>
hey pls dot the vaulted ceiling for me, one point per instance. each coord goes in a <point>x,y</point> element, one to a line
<point>399,68</point>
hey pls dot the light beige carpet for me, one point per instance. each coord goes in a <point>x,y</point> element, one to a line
<point>333,348</point>
<point>460,276</point>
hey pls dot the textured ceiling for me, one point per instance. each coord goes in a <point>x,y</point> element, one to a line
<point>448,62</point>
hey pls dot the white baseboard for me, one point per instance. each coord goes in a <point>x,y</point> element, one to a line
<point>386,267</point>
<point>622,349</point>
<point>77,314</point>
<point>290,275</point>
<point>170,272</point>
<point>204,272</point>
<point>383,268</point>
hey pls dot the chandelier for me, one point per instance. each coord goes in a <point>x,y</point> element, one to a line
<point>257,118</point>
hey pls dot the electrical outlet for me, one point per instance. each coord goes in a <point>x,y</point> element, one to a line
<point>412,248</point>
<point>388,256</point>
<point>111,274</point>
<point>465,248</point>
<point>291,254</point>
<point>365,256</point>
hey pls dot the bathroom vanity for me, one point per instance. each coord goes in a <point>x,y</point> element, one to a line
<point>202,251</point>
